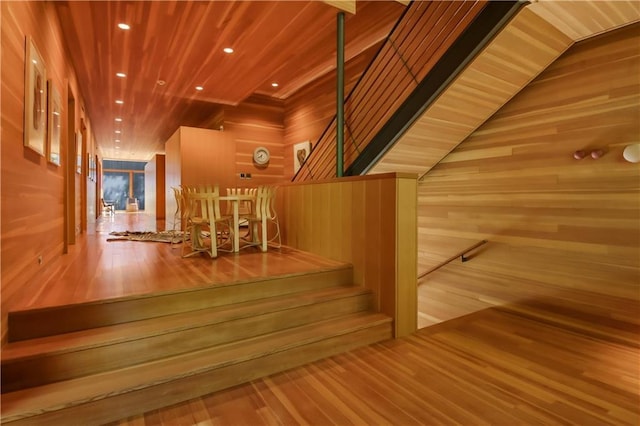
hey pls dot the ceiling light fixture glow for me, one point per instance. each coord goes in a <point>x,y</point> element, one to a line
<point>119,101</point>
<point>123,26</point>
<point>199,88</point>
<point>274,84</point>
<point>121,74</point>
<point>118,131</point>
<point>118,119</point>
<point>227,50</point>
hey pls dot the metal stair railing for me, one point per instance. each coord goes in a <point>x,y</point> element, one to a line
<point>421,37</point>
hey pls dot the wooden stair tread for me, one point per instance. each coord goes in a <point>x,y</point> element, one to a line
<point>34,401</point>
<point>120,333</point>
<point>48,321</point>
<point>217,285</point>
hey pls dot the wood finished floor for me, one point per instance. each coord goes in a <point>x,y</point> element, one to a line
<point>548,353</point>
<point>96,269</point>
<point>522,336</point>
<point>494,366</point>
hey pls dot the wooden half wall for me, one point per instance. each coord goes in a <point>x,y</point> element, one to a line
<point>368,221</point>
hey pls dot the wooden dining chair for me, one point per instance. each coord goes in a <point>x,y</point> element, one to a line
<point>245,207</point>
<point>209,231</point>
<point>272,216</point>
<point>178,231</point>
<point>108,207</point>
<point>263,213</point>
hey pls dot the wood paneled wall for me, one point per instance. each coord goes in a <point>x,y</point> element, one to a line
<point>32,192</point>
<point>369,221</point>
<point>256,122</point>
<point>195,156</point>
<point>154,186</point>
<point>309,111</point>
<point>515,181</point>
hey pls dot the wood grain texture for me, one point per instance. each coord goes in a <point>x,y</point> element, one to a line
<point>196,156</point>
<point>572,224</point>
<point>256,122</point>
<point>291,43</point>
<point>97,270</point>
<point>495,366</point>
<point>309,110</point>
<point>363,222</point>
<point>515,179</point>
<point>120,393</point>
<point>33,191</point>
<point>66,356</point>
<point>603,296</point>
<point>497,74</point>
<point>582,19</point>
<point>419,40</point>
<point>492,78</point>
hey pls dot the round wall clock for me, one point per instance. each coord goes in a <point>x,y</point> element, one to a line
<point>261,155</point>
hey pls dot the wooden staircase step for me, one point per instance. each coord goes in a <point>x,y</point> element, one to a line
<point>32,323</point>
<point>66,356</point>
<point>117,394</point>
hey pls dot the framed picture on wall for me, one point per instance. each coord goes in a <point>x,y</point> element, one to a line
<point>54,124</point>
<point>300,153</point>
<point>79,152</point>
<point>91,164</point>
<point>35,99</point>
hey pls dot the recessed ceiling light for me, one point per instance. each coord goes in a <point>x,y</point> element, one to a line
<point>121,75</point>
<point>227,50</point>
<point>199,88</point>
<point>118,119</point>
<point>117,140</point>
<point>123,26</point>
<point>119,101</point>
<point>274,84</point>
<point>161,82</point>
<point>117,147</point>
<point>118,131</point>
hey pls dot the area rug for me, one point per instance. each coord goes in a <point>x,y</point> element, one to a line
<point>157,237</point>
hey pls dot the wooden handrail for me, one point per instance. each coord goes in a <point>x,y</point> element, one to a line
<point>460,255</point>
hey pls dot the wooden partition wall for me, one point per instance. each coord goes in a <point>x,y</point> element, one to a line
<point>154,186</point>
<point>369,221</point>
<point>195,156</point>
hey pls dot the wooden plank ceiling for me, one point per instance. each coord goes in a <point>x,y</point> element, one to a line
<point>181,44</point>
<point>525,47</point>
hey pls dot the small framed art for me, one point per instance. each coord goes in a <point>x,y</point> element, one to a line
<point>35,99</point>
<point>54,124</point>
<point>300,153</point>
<point>79,152</point>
